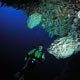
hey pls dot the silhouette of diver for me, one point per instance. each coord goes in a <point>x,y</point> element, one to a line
<point>32,58</point>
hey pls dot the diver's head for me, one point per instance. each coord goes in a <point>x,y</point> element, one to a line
<point>40,47</point>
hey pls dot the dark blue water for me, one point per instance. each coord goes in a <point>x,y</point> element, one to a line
<point>16,39</point>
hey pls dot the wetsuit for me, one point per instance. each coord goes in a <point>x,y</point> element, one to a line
<point>34,56</point>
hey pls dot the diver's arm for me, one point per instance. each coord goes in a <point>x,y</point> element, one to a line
<point>29,53</point>
<point>43,56</point>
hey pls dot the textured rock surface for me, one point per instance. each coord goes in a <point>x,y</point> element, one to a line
<point>63,47</point>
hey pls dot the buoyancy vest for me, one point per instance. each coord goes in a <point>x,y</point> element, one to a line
<point>36,54</point>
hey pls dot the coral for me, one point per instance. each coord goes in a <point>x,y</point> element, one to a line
<point>33,20</point>
<point>59,17</point>
<point>63,47</point>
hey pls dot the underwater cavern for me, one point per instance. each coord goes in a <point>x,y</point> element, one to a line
<point>58,22</point>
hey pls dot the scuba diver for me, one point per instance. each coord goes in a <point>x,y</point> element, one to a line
<point>32,58</point>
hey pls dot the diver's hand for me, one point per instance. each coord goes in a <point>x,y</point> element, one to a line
<point>25,58</point>
<point>43,58</point>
